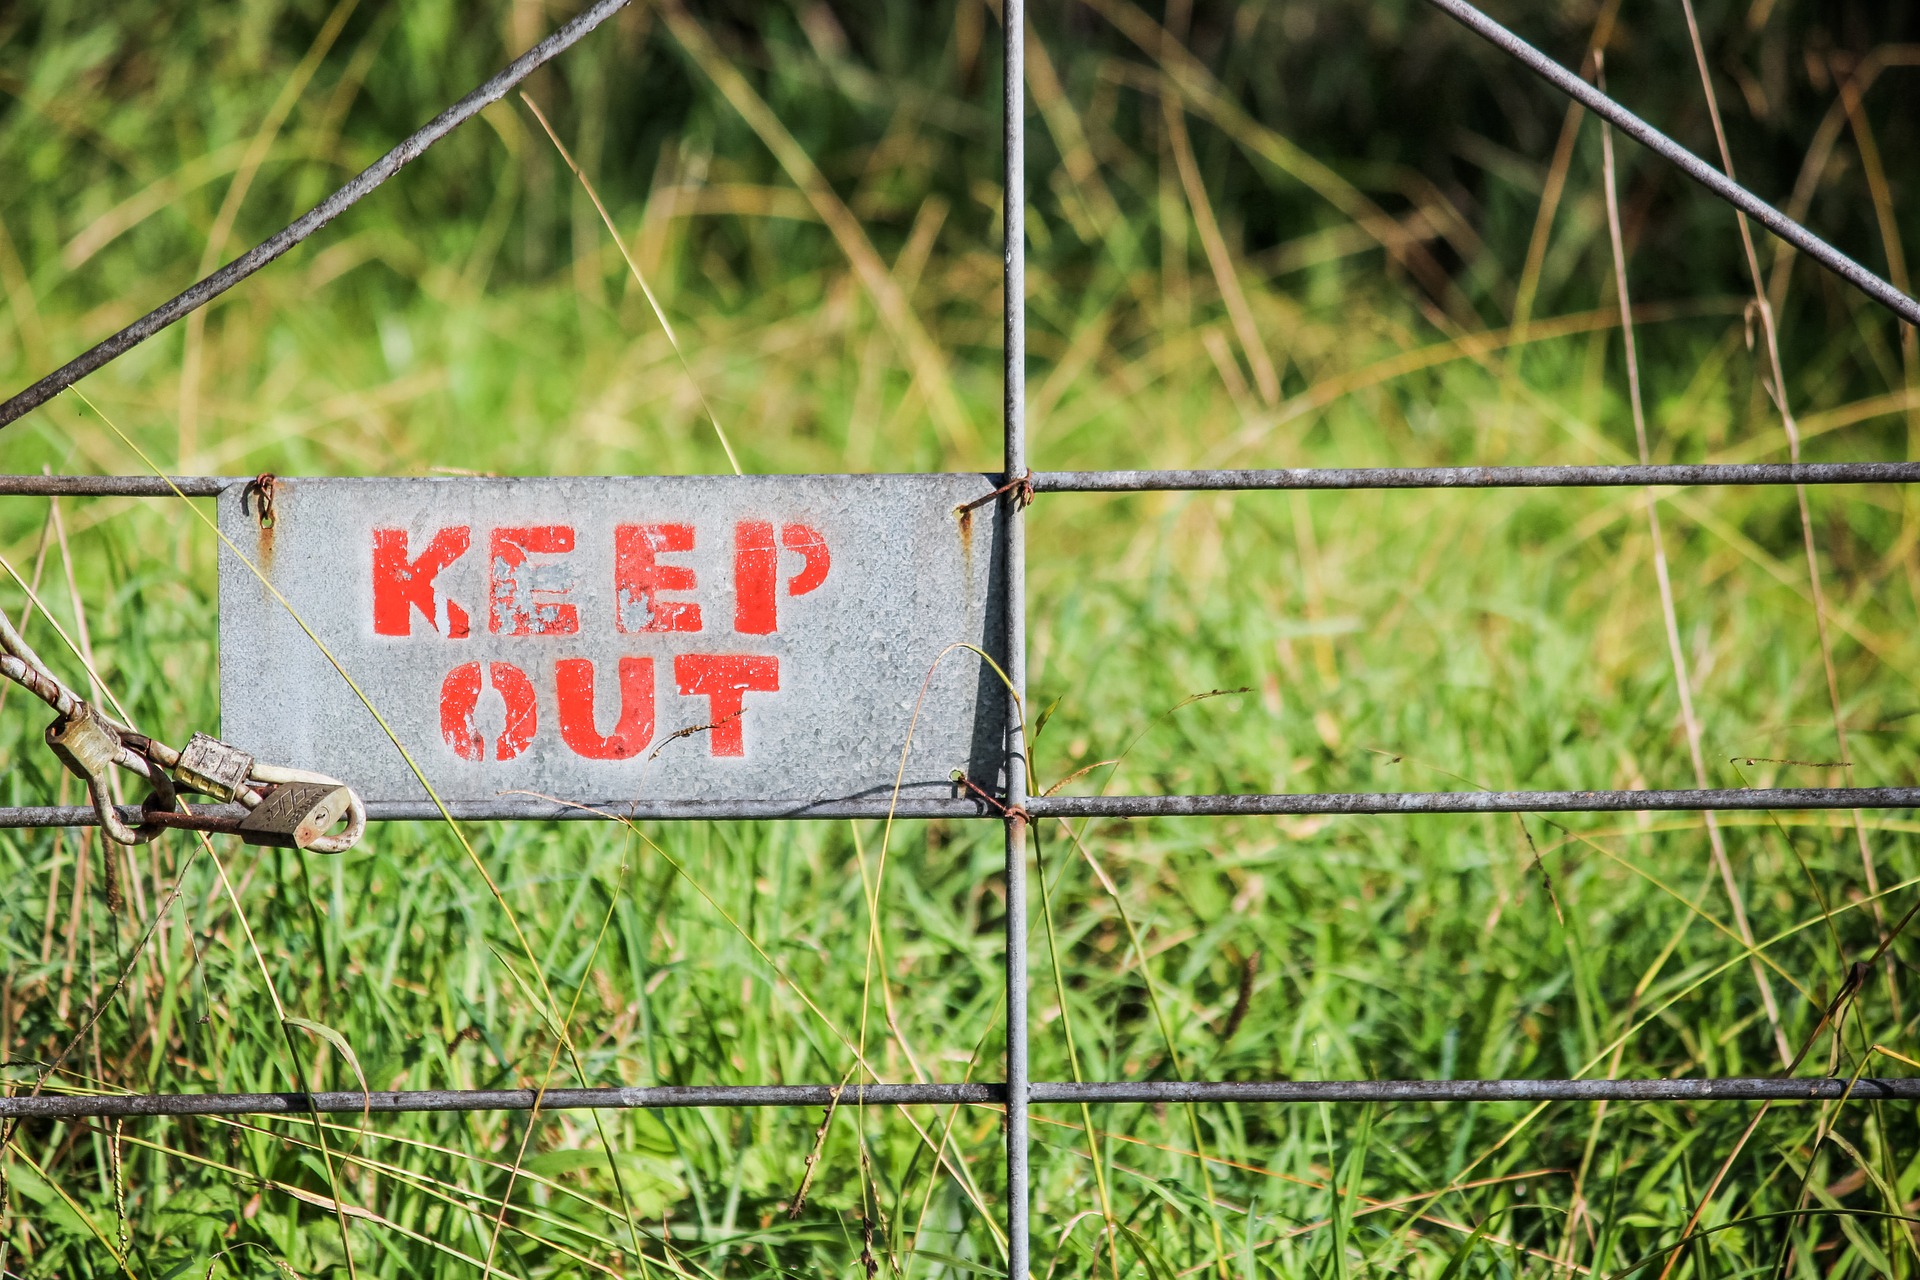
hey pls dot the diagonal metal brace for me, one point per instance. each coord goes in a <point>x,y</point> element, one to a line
<point>1686,161</point>
<point>309,222</point>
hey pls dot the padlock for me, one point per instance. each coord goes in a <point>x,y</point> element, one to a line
<point>85,743</point>
<point>295,814</point>
<point>214,768</point>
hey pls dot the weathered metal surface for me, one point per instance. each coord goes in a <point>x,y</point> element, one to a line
<point>117,486</point>
<point>512,808</point>
<point>295,814</point>
<point>1701,474</point>
<point>607,639</point>
<point>974,1093</point>
<point>1013,604</point>
<point>1704,474</point>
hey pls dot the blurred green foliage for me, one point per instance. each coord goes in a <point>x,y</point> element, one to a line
<point>474,314</point>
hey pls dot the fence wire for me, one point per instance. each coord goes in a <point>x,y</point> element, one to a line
<point>1014,487</point>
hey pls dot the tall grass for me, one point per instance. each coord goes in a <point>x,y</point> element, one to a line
<point>1262,235</point>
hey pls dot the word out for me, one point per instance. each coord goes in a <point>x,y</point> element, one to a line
<point>530,597</point>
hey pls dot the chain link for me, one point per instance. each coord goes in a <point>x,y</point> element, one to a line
<point>91,743</point>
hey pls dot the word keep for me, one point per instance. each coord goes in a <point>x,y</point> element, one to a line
<point>649,596</point>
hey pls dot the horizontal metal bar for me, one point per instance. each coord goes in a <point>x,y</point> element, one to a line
<point>116,486</point>
<point>510,809</point>
<point>1566,477</point>
<point>1755,1088</point>
<point>309,222</point>
<point>1414,802</point>
<point>1686,161</point>
<point>513,809</point>
<point>1335,803</point>
<point>663,1097</point>
<point>1693,475</point>
<point>51,1106</point>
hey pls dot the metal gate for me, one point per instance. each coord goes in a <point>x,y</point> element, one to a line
<point>1009,804</point>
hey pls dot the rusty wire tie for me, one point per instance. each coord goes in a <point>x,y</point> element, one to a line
<point>261,490</point>
<point>1001,807</point>
<point>1021,487</point>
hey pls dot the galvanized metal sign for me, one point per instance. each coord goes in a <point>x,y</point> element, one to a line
<point>598,640</point>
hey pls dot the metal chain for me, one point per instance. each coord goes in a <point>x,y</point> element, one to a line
<point>92,743</point>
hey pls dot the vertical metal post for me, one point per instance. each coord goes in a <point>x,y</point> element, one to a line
<point>1014,219</point>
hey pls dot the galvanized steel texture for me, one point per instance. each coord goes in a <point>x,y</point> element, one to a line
<point>549,638</point>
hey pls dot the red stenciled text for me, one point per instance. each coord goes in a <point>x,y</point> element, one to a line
<point>600,710</point>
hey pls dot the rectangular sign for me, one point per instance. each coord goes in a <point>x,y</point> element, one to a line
<point>609,639</point>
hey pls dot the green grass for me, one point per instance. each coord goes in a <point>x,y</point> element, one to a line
<point>475,315</point>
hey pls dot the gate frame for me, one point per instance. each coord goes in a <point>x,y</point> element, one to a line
<point>1015,809</point>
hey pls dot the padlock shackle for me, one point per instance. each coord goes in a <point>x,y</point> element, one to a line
<point>117,831</point>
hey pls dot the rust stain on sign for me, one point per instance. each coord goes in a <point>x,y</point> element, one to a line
<point>257,496</point>
<point>564,635</point>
